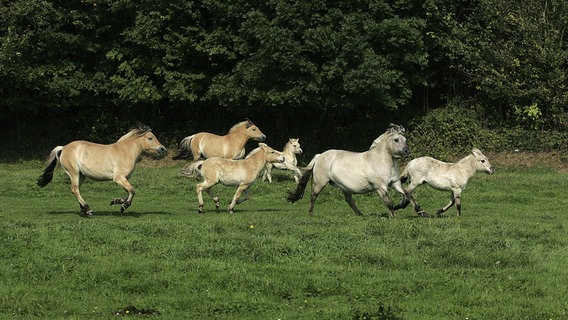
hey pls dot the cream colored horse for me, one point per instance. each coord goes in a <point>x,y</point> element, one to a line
<point>206,145</point>
<point>239,173</point>
<point>100,162</point>
<point>354,173</point>
<point>444,176</point>
<point>291,149</point>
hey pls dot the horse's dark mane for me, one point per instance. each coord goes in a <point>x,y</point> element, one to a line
<point>141,129</point>
<point>138,130</point>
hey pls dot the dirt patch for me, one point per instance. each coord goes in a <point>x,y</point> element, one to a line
<point>555,160</point>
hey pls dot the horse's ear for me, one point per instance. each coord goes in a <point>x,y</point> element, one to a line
<point>397,128</point>
<point>262,145</point>
<point>476,152</point>
<point>249,123</point>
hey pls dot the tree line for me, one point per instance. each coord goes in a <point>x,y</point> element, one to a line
<point>333,73</point>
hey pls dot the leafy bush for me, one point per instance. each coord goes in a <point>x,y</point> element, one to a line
<point>452,131</point>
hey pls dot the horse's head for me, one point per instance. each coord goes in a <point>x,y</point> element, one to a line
<point>253,132</point>
<point>396,141</point>
<point>294,146</point>
<point>481,162</point>
<point>271,155</point>
<point>148,140</point>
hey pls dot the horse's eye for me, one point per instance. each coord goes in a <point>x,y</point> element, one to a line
<point>150,138</point>
<point>482,161</point>
<point>396,140</point>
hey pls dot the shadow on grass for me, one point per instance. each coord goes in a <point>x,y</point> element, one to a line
<point>128,214</point>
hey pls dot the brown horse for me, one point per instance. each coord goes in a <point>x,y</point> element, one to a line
<point>100,162</point>
<point>240,173</point>
<point>204,145</point>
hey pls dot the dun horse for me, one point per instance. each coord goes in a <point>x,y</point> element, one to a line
<point>240,173</point>
<point>100,162</point>
<point>355,173</point>
<point>205,145</point>
<point>291,149</point>
<point>444,176</point>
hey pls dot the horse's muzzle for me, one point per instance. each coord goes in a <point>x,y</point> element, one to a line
<point>406,152</point>
<point>261,138</point>
<point>161,150</point>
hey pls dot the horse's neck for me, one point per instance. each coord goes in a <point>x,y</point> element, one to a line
<point>381,153</point>
<point>467,166</point>
<point>257,160</point>
<point>130,147</point>
<point>288,151</point>
<point>239,137</point>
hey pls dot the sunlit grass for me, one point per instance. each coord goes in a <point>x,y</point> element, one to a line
<point>504,258</point>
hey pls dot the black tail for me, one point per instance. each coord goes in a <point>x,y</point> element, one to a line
<point>47,175</point>
<point>299,193</point>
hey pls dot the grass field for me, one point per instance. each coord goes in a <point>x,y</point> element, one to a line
<point>505,258</point>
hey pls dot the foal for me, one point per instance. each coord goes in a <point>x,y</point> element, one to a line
<point>240,173</point>
<point>444,176</point>
<point>291,149</point>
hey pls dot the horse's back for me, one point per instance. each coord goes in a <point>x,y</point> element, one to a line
<point>94,160</point>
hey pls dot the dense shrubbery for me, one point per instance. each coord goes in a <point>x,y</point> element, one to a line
<point>321,70</point>
<point>460,126</point>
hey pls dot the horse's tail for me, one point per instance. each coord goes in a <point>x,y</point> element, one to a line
<point>192,170</point>
<point>301,187</point>
<point>184,148</point>
<point>52,160</point>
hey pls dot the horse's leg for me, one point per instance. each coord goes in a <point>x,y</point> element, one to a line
<point>207,187</point>
<point>449,205</point>
<point>407,198</point>
<point>267,173</point>
<point>245,196</point>
<point>297,172</point>
<point>316,189</point>
<point>214,197</point>
<point>76,181</point>
<point>237,195</point>
<point>124,202</point>
<point>457,196</point>
<point>386,199</point>
<point>349,199</point>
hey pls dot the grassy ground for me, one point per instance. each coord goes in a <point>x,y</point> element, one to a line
<point>505,258</point>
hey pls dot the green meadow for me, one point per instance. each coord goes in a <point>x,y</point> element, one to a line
<point>506,257</point>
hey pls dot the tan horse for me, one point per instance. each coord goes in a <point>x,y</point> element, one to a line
<point>100,162</point>
<point>444,176</point>
<point>240,173</point>
<point>291,149</point>
<point>205,145</point>
<point>355,173</point>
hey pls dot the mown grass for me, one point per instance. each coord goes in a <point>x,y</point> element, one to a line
<point>505,258</point>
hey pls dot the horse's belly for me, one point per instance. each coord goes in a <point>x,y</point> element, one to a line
<point>352,185</point>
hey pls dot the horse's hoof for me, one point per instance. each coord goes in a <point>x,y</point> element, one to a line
<point>423,214</point>
<point>88,214</point>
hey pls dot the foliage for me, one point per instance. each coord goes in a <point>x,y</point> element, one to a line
<point>504,258</point>
<point>321,70</point>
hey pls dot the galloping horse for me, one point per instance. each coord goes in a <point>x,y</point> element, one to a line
<point>444,176</point>
<point>291,149</point>
<point>205,145</point>
<point>240,173</point>
<point>100,162</point>
<point>355,173</point>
